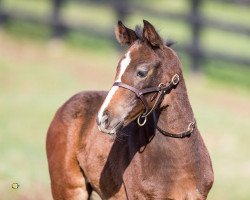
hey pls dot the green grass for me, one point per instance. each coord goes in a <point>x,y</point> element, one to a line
<point>225,125</point>
<point>32,88</point>
<point>228,74</point>
<point>27,104</point>
<point>24,30</point>
<point>226,42</point>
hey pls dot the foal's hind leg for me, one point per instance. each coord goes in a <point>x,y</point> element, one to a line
<point>67,179</point>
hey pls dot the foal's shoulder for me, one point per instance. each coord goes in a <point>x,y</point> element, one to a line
<point>80,104</point>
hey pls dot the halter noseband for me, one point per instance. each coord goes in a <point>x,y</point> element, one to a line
<point>162,89</point>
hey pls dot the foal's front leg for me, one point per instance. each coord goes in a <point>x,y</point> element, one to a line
<point>67,180</point>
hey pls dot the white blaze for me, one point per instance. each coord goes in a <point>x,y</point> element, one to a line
<point>124,64</point>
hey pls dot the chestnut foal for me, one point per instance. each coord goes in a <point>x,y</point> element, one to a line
<point>161,155</point>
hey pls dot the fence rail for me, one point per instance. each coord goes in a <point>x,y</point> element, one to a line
<point>124,8</point>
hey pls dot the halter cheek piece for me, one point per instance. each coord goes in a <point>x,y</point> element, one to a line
<point>161,90</point>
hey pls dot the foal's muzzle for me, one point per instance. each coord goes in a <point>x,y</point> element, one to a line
<point>103,124</point>
<point>103,121</point>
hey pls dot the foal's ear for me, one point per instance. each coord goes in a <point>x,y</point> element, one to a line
<point>124,35</point>
<point>150,34</point>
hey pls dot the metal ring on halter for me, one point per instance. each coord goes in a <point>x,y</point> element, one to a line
<point>175,79</point>
<point>139,122</point>
<point>161,85</point>
<point>191,127</point>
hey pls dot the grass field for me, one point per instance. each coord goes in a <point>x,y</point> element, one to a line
<point>37,75</point>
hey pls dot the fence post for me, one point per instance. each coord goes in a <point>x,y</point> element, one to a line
<point>121,9</point>
<point>2,18</point>
<point>195,20</point>
<point>58,29</point>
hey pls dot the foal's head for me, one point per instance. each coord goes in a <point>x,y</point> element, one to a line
<point>147,63</point>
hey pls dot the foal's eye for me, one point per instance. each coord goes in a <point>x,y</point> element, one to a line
<point>142,74</point>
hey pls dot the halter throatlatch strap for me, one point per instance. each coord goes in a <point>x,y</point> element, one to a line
<point>184,134</point>
<point>161,90</point>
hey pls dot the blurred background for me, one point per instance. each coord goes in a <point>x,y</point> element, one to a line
<point>52,49</point>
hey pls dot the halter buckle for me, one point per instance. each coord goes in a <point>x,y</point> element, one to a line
<point>175,79</point>
<point>139,120</point>
<point>161,85</point>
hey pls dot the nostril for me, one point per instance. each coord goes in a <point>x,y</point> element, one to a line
<point>105,120</point>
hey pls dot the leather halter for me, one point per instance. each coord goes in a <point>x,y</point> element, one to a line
<point>161,89</point>
<point>183,134</point>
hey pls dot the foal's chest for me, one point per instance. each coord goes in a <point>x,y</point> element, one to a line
<point>118,172</point>
<point>150,182</point>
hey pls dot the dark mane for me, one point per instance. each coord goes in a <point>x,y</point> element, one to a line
<point>139,34</point>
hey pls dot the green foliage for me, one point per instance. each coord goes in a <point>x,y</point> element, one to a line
<point>81,41</point>
<point>212,39</point>
<point>228,74</point>
<point>25,30</point>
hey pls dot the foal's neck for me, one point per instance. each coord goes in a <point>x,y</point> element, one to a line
<point>178,113</point>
